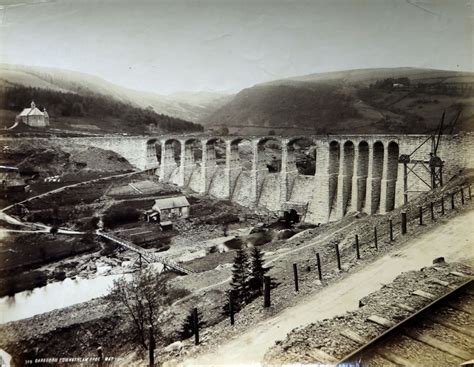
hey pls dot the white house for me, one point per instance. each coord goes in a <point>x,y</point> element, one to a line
<point>34,117</point>
<point>173,207</point>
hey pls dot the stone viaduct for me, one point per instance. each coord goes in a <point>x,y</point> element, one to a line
<point>352,172</point>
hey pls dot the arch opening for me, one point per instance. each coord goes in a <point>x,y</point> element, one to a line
<point>302,153</point>
<point>172,150</point>
<point>269,154</point>
<point>362,173</point>
<point>241,153</point>
<point>216,149</point>
<point>333,171</point>
<point>193,150</point>
<point>347,172</point>
<point>377,169</point>
<point>392,174</point>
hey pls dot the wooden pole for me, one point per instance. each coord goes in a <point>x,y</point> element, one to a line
<point>231,307</point>
<point>318,262</point>
<point>151,346</point>
<point>462,195</point>
<point>376,243</point>
<point>357,247</point>
<point>390,225</point>
<point>442,205</point>
<point>196,326</point>
<point>405,183</point>
<point>452,201</point>
<point>338,256</point>
<point>266,295</point>
<point>469,191</point>
<point>421,215</point>
<point>101,356</point>
<point>295,275</point>
<point>432,211</point>
<point>404,222</point>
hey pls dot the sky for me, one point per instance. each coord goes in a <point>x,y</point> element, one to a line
<point>227,45</point>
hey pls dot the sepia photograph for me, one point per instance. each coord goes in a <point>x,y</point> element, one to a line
<point>236,183</point>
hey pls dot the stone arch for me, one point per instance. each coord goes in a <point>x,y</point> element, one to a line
<point>333,171</point>
<point>393,152</point>
<point>362,173</point>
<point>240,152</point>
<point>271,161</point>
<point>377,170</point>
<point>216,149</point>
<point>172,147</point>
<point>192,148</point>
<point>302,152</point>
<point>348,151</point>
<point>170,158</point>
<point>153,149</point>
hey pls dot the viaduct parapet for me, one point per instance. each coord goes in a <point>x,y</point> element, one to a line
<point>353,173</point>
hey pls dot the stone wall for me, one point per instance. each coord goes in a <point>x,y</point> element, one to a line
<point>353,172</point>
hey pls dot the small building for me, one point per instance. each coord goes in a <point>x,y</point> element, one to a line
<point>11,180</point>
<point>34,117</point>
<point>176,207</point>
<point>166,225</point>
<point>152,216</point>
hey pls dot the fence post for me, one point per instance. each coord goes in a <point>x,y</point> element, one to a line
<point>357,246</point>
<point>318,262</point>
<point>462,195</point>
<point>452,201</point>
<point>421,215</point>
<point>266,295</point>
<point>469,191</point>
<point>196,326</point>
<point>404,222</point>
<point>231,307</point>
<point>101,356</point>
<point>338,256</point>
<point>390,225</point>
<point>376,243</point>
<point>442,205</point>
<point>151,346</point>
<point>432,210</point>
<point>295,275</point>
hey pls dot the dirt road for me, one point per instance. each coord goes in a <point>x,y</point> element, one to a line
<point>453,240</point>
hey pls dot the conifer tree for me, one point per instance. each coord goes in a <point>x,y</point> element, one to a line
<point>240,277</point>
<point>257,271</point>
<point>187,329</point>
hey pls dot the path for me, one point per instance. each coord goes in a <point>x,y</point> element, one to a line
<point>453,240</point>
<point>273,257</point>
<point>59,189</point>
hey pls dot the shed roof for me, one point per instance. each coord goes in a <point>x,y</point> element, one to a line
<point>170,203</point>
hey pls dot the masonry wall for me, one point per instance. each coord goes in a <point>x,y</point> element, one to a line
<point>270,192</point>
<point>363,178</point>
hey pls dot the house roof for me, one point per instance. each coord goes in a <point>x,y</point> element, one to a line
<point>170,203</point>
<point>31,112</point>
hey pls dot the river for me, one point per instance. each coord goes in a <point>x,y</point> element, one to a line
<point>54,296</point>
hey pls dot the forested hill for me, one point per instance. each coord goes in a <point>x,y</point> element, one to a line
<point>89,111</point>
<point>369,101</point>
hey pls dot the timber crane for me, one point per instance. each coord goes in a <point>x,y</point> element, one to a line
<point>434,165</point>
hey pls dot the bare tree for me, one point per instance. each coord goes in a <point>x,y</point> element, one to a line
<point>141,300</point>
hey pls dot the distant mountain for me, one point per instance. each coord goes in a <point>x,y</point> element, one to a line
<point>188,106</point>
<point>405,100</point>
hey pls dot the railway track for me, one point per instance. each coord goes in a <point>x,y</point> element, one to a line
<point>439,334</point>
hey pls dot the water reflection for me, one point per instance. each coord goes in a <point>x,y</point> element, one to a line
<point>54,296</point>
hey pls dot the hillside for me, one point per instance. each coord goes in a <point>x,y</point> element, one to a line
<point>354,101</point>
<point>188,106</point>
<point>92,113</point>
